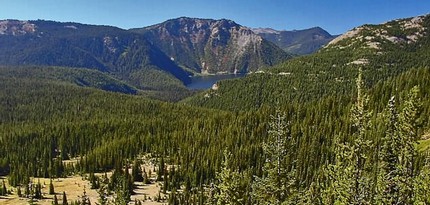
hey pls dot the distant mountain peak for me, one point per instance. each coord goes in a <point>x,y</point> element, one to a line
<point>298,42</point>
<point>212,46</point>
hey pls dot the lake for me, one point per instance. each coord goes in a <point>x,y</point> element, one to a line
<point>206,82</point>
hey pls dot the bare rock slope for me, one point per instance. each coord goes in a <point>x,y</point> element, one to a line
<point>213,46</point>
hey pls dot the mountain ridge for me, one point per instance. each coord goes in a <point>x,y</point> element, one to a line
<point>212,46</point>
<point>299,42</point>
<point>124,55</point>
<point>140,57</point>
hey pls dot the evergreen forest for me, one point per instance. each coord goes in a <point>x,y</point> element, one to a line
<point>315,129</point>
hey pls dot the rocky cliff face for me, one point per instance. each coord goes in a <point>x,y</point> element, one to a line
<point>16,28</point>
<point>299,42</point>
<point>212,46</point>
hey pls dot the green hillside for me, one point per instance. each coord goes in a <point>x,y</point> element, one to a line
<point>330,72</point>
<point>81,77</point>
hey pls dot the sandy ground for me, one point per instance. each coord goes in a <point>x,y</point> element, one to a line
<point>74,188</point>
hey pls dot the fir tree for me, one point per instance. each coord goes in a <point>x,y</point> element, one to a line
<point>421,186</point>
<point>102,195</point>
<point>387,183</point>
<point>398,152</point>
<point>51,188</point>
<point>161,169</point>
<point>122,192</point>
<point>146,179</point>
<point>3,190</point>
<point>278,181</point>
<point>26,191</point>
<point>85,200</point>
<point>136,171</point>
<point>55,202</point>
<point>361,190</point>
<point>228,189</point>
<point>165,186</point>
<point>19,193</point>
<point>408,128</point>
<point>65,202</point>
<point>338,175</point>
<point>94,181</point>
<point>38,191</point>
<point>348,181</point>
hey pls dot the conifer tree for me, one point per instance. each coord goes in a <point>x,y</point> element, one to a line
<point>94,181</point>
<point>387,182</point>
<point>26,191</point>
<point>278,181</point>
<point>85,200</point>
<point>102,195</point>
<point>146,178</point>
<point>38,191</point>
<point>395,184</point>
<point>361,191</point>
<point>228,190</point>
<point>408,128</point>
<point>128,183</point>
<point>161,169</point>
<point>55,202</point>
<point>19,193</point>
<point>421,186</point>
<point>51,188</point>
<point>348,180</point>
<point>165,183</point>
<point>3,190</point>
<point>122,193</point>
<point>136,171</point>
<point>337,187</point>
<point>65,202</point>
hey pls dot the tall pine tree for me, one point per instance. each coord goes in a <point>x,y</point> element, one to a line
<point>408,128</point>
<point>228,189</point>
<point>395,184</point>
<point>278,183</point>
<point>349,180</point>
<point>387,183</point>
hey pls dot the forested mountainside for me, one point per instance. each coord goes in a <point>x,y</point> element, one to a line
<point>213,46</point>
<point>120,53</point>
<point>78,76</point>
<point>45,122</point>
<point>383,51</point>
<point>298,42</point>
<point>348,125</point>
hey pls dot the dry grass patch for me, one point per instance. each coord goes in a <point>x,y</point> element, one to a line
<point>74,188</point>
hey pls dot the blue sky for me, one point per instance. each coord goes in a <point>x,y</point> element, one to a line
<point>336,16</point>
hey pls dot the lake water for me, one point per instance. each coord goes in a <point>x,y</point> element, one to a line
<point>206,82</point>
